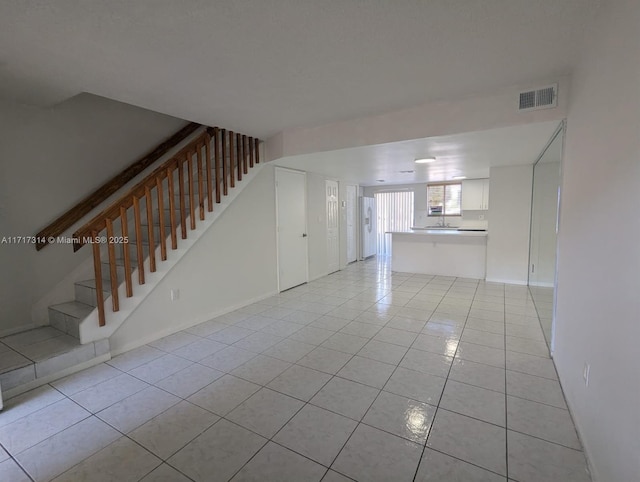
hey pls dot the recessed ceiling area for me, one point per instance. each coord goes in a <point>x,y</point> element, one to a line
<point>469,154</point>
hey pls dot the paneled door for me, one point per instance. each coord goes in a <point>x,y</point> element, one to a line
<point>291,200</point>
<point>333,226</point>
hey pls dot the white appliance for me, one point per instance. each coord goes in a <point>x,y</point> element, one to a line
<point>368,226</point>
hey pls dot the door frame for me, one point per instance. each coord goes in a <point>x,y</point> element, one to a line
<point>277,226</point>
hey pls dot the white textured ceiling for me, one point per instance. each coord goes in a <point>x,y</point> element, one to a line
<point>470,154</point>
<point>262,66</point>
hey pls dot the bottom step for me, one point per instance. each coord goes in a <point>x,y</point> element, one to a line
<point>41,355</point>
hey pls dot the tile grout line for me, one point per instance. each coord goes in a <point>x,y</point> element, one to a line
<point>453,359</point>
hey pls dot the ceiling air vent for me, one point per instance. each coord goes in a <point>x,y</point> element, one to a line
<point>543,98</point>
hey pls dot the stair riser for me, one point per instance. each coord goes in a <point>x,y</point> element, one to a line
<point>106,276</point>
<point>133,252</point>
<point>88,295</point>
<point>65,323</point>
<point>167,216</point>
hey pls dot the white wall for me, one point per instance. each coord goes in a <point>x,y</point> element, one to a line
<point>508,237</point>
<point>49,160</point>
<point>598,311</point>
<point>232,264</point>
<point>426,120</point>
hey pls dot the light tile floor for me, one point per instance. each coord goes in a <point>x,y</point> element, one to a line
<point>365,374</point>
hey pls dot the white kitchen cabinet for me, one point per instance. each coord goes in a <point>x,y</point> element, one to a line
<point>475,195</point>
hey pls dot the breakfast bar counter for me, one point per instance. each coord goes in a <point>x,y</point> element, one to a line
<point>445,252</point>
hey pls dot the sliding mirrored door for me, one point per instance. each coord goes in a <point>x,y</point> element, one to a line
<point>544,229</point>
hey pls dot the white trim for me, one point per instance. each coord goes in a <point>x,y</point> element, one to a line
<point>507,281</point>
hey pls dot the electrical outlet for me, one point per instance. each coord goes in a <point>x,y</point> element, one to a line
<point>175,295</point>
<point>585,374</point>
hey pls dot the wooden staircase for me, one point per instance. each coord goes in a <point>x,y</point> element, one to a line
<point>130,240</point>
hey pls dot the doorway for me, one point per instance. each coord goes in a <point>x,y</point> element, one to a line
<point>291,222</point>
<point>395,213</point>
<point>333,226</point>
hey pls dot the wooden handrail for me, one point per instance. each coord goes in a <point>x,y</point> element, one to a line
<point>76,213</point>
<point>228,165</point>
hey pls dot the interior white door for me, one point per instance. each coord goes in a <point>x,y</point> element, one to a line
<point>352,206</point>
<point>333,226</point>
<point>291,199</point>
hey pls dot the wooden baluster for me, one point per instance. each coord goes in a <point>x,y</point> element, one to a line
<point>163,234</point>
<point>97,268</point>
<point>232,164</point>
<point>152,245</point>
<point>125,251</point>
<point>113,271</point>
<point>239,155</point>
<point>250,147</point>
<point>224,163</point>
<point>257,149</point>
<point>216,157</point>
<point>138,227</point>
<point>207,154</point>
<point>245,166</point>
<point>200,181</point>
<point>172,208</point>
<point>192,207</point>
<point>181,193</point>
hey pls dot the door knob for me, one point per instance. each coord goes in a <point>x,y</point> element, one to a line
<point>304,235</point>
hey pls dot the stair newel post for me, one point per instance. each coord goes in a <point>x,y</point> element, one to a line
<point>113,272</point>
<point>163,234</point>
<point>125,251</point>
<point>192,207</point>
<point>172,208</point>
<point>152,244</point>
<point>181,194</point>
<point>232,162</point>
<point>138,228</point>
<point>207,157</point>
<point>250,149</point>
<point>200,181</point>
<point>245,166</point>
<point>239,155</point>
<point>257,150</point>
<point>97,268</point>
<point>225,174</point>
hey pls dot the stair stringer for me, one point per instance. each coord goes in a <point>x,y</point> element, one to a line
<point>89,327</point>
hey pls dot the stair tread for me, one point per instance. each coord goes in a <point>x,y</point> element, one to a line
<point>91,283</point>
<point>38,344</point>
<point>75,309</point>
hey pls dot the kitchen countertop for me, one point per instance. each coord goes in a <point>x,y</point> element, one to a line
<point>441,232</point>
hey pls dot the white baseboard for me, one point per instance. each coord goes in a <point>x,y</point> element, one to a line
<point>507,281</point>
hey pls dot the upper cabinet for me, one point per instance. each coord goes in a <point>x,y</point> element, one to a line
<point>475,195</point>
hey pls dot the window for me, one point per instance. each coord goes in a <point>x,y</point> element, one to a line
<point>395,213</point>
<point>444,199</point>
